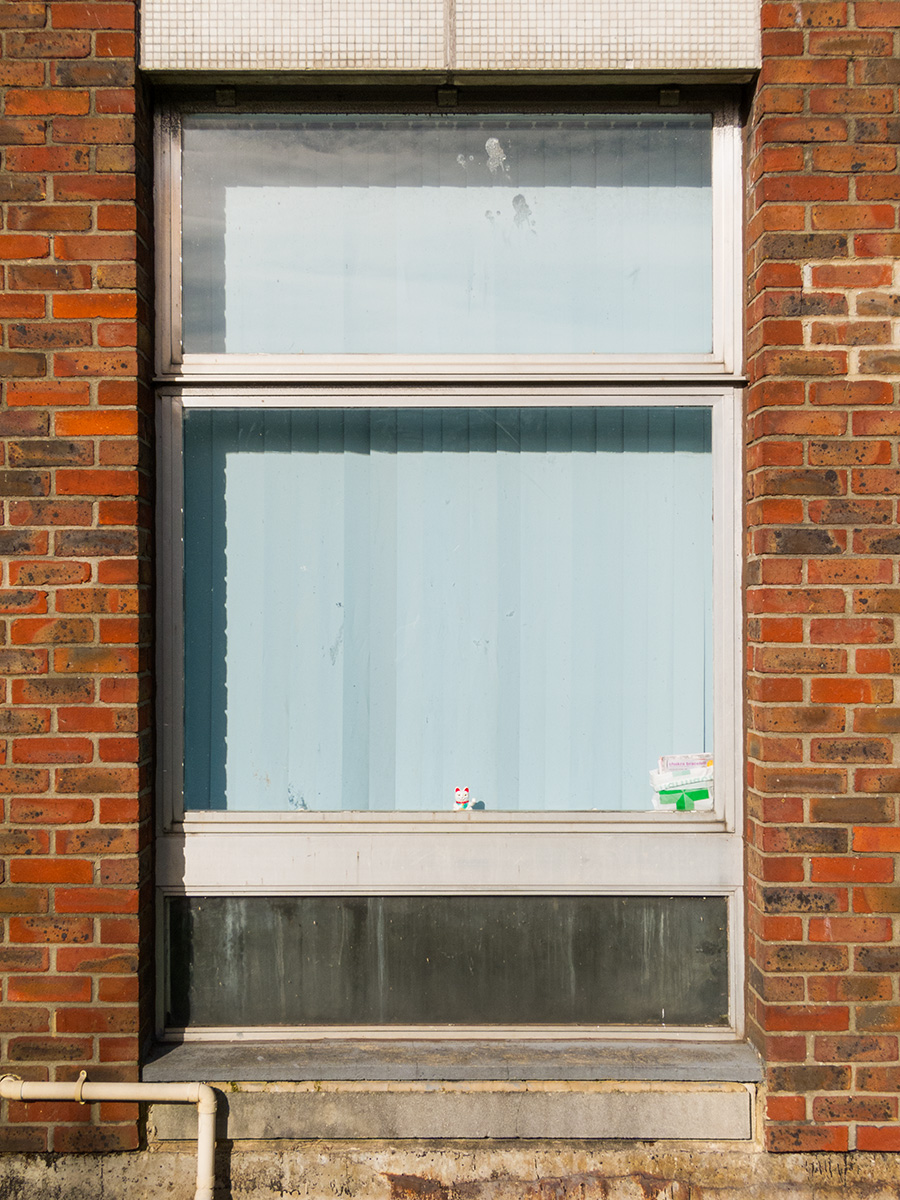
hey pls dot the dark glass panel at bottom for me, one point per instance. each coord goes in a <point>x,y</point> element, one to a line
<point>448,960</point>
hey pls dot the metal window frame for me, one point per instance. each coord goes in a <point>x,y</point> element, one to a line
<point>320,853</point>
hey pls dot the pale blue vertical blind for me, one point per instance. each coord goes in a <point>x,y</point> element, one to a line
<point>382,605</point>
<point>448,234</point>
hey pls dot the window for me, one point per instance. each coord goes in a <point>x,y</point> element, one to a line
<point>449,509</point>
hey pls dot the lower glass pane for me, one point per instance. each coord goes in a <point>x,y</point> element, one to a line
<point>383,606</point>
<point>447,960</point>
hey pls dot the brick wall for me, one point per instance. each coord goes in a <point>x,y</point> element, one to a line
<point>823,481</point>
<point>74,623</point>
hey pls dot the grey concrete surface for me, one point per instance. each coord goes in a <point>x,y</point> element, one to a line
<point>697,1114</point>
<point>454,1060</point>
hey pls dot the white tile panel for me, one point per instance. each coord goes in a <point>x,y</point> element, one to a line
<point>459,35</point>
<point>287,35</point>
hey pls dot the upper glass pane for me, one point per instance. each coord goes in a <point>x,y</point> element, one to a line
<point>447,235</point>
<point>384,606</point>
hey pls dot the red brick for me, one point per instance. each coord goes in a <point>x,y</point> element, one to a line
<point>851,750</point>
<point>94,247</point>
<point>119,1019</point>
<point>18,306</point>
<point>877,899</point>
<point>35,989</point>
<point>96,900</point>
<point>48,1110</point>
<point>879,187</point>
<point>878,1018</point>
<point>51,870</point>
<point>852,870</point>
<point>49,1049</point>
<point>95,1139</point>
<point>878,1079</point>
<point>49,217</point>
<point>851,275</point>
<point>870,780</point>
<point>115,1049</point>
<point>119,990</point>
<point>850,929</point>
<point>851,333</point>
<point>110,304</point>
<point>48,158</point>
<point>33,574</point>
<point>806,1017</point>
<point>51,929</point>
<point>96,779</point>
<point>116,45</point>
<point>94,960</point>
<point>803,899</point>
<point>46,101</point>
<point>856,1049</point>
<point>119,931</point>
<point>850,43</point>
<point>803,70</point>
<point>23,245</point>
<point>23,780</point>
<point>849,571</point>
<point>869,810</point>
<point>786,1108</point>
<point>774,691</point>
<point>61,810</point>
<point>24,1139</point>
<point>852,1108</point>
<point>833,630</point>
<point>853,216</point>
<point>803,129</point>
<point>51,512</point>
<point>115,100</point>
<point>98,187</point>
<point>97,483</point>
<point>851,100</point>
<point>851,392</point>
<point>96,720</point>
<point>103,600</point>
<point>877,662</point>
<point>93,16</point>
<point>886,1138</point>
<point>799,719</point>
<point>877,245</point>
<point>91,363</point>
<point>877,14</point>
<point>865,423</point>
<point>23,958</point>
<point>24,1019</point>
<point>19,600</point>
<point>96,841</point>
<point>95,660</point>
<point>884,840</point>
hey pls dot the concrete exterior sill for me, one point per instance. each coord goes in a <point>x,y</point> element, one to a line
<point>213,1062</point>
<point>390,1110</point>
<point>461,1090</point>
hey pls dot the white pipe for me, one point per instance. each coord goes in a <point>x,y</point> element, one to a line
<point>13,1088</point>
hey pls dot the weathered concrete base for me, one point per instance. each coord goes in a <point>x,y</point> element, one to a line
<point>458,1171</point>
<point>391,1110</point>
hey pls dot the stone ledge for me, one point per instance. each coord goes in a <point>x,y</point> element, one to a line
<point>533,1110</point>
<point>214,1062</point>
